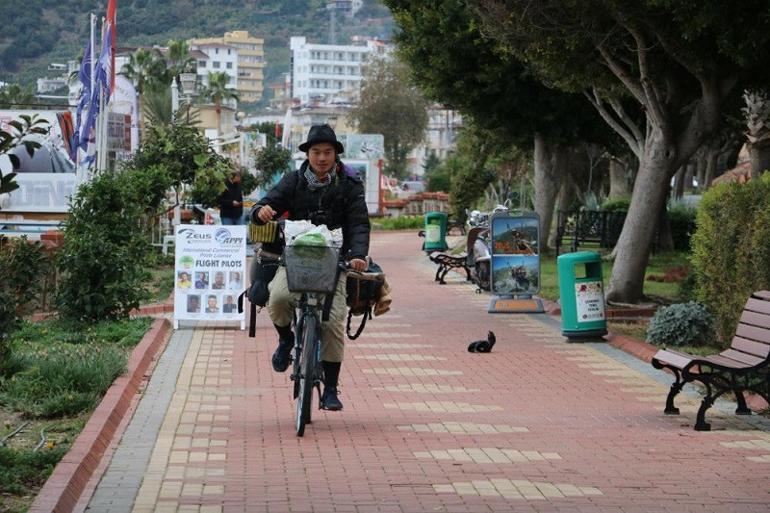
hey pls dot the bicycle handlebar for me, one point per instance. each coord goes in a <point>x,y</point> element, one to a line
<point>345,266</point>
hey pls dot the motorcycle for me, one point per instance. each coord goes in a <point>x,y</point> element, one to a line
<point>479,246</point>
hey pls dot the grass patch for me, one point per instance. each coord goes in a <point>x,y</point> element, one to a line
<point>668,292</point>
<point>637,330</point>
<point>161,283</point>
<point>51,380</point>
<point>398,223</point>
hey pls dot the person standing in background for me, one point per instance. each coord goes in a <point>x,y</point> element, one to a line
<point>231,200</point>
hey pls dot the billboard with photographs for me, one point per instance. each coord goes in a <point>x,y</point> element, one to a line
<point>209,272</point>
<point>515,254</point>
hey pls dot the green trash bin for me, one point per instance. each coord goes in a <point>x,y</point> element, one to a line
<point>435,231</point>
<point>581,290</point>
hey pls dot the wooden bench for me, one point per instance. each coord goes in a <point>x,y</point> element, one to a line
<point>448,262</point>
<point>745,366</point>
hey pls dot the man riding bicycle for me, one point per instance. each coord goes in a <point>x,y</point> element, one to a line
<point>323,192</point>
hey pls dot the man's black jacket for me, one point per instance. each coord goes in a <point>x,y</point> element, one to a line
<point>232,193</point>
<point>339,205</point>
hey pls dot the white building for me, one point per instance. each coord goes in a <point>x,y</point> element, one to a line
<point>330,72</point>
<point>218,58</point>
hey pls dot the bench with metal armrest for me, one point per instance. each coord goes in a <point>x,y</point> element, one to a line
<point>745,366</point>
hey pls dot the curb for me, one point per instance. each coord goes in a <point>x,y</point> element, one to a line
<point>61,491</point>
<point>155,308</point>
<point>642,350</point>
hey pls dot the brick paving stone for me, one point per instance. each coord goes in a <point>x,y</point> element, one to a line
<point>538,425</point>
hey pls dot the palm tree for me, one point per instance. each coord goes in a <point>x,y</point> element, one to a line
<point>179,60</point>
<point>217,92</point>
<point>148,71</point>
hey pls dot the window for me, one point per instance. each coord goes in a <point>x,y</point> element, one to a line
<point>229,51</point>
<point>216,50</point>
<point>215,64</point>
<point>201,64</point>
<point>229,65</point>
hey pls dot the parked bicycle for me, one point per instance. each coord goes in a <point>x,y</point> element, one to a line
<point>311,271</point>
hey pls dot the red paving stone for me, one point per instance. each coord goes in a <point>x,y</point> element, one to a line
<point>358,460</point>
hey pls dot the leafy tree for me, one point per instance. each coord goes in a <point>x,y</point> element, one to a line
<point>679,62</point>
<point>392,107</point>
<point>14,95</point>
<point>270,161</point>
<point>218,92</point>
<point>456,65</point>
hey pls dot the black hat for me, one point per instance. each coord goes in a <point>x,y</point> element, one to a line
<point>321,134</point>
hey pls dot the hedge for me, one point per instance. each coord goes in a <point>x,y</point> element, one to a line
<point>731,252</point>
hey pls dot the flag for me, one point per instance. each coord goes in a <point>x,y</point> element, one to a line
<point>105,76</point>
<point>84,75</point>
<point>111,22</point>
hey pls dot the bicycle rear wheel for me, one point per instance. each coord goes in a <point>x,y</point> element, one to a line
<point>308,365</point>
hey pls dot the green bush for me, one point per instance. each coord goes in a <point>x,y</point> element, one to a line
<point>102,260</point>
<point>24,262</point>
<point>399,223</point>
<point>682,221</point>
<point>731,254</point>
<point>684,324</point>
<point>616,205</point>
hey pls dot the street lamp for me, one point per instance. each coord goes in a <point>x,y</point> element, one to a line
<point>188,81</point>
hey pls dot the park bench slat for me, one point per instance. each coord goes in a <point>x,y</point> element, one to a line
<point>742,357</point>
<point>727,363</point>
<point>753,333</point>
<point>751,347</point>
<point>755,319</point>
<point>674,358</point>
<point>758,305</point>
<point>763,294</point>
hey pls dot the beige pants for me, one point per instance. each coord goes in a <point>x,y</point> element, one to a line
<point>281,307</point>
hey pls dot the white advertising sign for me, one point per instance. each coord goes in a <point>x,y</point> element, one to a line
<point>210,273</point>
<point>590,301</point>
<point>46,180</point>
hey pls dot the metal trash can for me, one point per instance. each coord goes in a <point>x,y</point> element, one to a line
<point>435,231</point>
<point>581,291</point>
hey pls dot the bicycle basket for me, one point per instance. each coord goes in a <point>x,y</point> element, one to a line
<point>311,268</point>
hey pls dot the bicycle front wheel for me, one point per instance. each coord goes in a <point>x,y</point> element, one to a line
<point>308,365</point>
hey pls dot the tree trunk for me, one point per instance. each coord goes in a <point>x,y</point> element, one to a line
<point>759,154</point>
<point>701,176</point>
<point>688,176</point>
<point>566,193</point>
<point>619,183</point>
<point>711,167</point>
<point>550,162</point>
<point>665,237</point>
<point>679,182</point>
<point>649,196</point>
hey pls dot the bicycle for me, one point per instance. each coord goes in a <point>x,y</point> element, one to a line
<point>313,272</point>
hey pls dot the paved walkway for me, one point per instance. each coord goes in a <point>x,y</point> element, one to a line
<point>537,425</point>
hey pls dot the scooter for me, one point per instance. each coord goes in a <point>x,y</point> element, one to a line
<point>478,246</point>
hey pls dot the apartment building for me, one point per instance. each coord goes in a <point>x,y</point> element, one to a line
<point>249,65</point>
<point>327,73</point>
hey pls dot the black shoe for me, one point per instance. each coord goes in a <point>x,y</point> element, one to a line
<point>330,401</point>
<point>282,355</point>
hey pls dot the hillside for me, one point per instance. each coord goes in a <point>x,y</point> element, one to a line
<point>43,31</point>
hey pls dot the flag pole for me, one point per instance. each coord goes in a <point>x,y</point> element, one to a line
<point>102,120</point>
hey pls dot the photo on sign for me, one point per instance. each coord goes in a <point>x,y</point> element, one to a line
<point>193,303</point>
<point>229,305</point>
<point>515,236</point>
<point>183,280</point>
<point>516,274</point>
<point>219,281</point>
<point>235,281</point>
<point>212,304</point>
<point>201,280</point>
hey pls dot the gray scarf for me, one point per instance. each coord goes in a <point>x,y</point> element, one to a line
<point>314,183</point>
